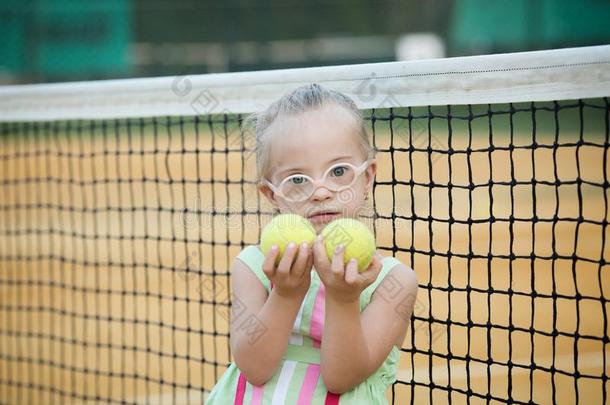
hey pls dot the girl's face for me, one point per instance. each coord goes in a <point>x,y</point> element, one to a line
<point>309,143</point>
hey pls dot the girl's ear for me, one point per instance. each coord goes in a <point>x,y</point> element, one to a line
<point>268,193</point>
<point>370,173</point>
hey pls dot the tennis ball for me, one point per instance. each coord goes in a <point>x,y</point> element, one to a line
<point>358,240</point>
<point>286,228</point>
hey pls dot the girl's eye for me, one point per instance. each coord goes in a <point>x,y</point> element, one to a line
<point>339,171</point>
<point>297,180</point>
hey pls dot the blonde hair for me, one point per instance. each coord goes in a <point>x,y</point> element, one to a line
<point>302,99</point>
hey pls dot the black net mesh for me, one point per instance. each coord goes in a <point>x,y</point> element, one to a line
<point>116,239</point>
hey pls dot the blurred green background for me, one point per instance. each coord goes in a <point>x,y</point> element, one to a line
<point>66,40</point>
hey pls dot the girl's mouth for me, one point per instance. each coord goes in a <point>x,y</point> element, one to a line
<point>323,217</point>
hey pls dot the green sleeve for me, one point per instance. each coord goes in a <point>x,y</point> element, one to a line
<point>388,264</point>
<point>252,257</point>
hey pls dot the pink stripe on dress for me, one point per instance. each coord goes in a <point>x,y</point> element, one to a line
<point>331,399</point>
<point>309,384</point>
<point>257,395</point>
<point>317,317</point>
<point>240,390</point>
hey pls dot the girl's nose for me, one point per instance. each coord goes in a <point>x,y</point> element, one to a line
<point>320,192</point>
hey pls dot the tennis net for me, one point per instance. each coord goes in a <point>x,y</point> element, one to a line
<point>124,202</point>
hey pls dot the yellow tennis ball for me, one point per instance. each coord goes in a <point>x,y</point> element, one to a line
<point>286,228</point>
<point>359,241</point>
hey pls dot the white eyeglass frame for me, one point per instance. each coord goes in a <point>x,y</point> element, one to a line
<point>358,170</point>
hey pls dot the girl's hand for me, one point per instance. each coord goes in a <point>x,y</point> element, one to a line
<point>343,283</point>
<point>290,280</point>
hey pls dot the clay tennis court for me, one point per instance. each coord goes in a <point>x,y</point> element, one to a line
<point>117,239</point>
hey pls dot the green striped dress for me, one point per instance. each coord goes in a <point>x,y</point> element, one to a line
<point>298,379</point>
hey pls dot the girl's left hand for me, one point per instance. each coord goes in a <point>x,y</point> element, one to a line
<point>343,283</point>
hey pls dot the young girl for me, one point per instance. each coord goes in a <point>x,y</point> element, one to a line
<point>311,330</point>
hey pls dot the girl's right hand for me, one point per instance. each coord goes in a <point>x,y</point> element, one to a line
<point>290,278</point>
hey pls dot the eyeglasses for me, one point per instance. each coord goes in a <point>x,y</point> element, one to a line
<point>299,187</point>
